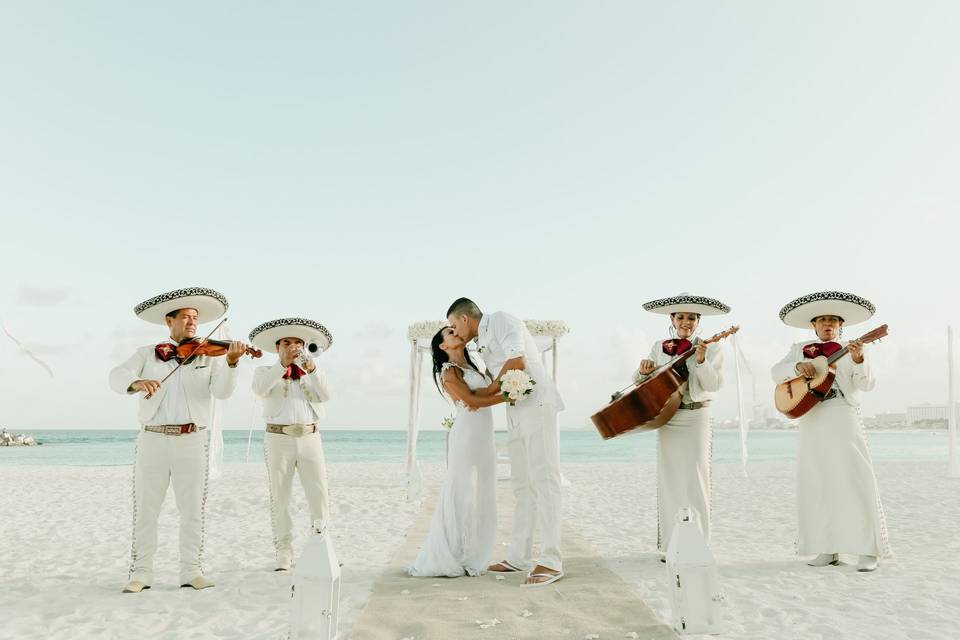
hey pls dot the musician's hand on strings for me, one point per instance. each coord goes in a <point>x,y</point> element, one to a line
<point>235,352</point>
<point>647,367</point>
<point>856,351</point>
<point>149,387</point>
<point>806,369</point>
<point>701,352</point>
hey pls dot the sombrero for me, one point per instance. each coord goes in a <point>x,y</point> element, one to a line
<point>851,308</point>
<point>685,303</point>
<point>210,305</point>
<point>311,332</point>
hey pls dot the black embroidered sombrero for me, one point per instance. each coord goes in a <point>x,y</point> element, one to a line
<point>311,332</point>
<point>210,305</point>
<point>685,303</point>
<point>801,312</point>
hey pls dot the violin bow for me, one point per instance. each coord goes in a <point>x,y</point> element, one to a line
<point>185,360</point>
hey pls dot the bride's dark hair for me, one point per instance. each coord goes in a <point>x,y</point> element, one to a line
<point>440,358</point>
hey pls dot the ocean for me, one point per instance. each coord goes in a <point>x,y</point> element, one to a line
<point>108,447</point>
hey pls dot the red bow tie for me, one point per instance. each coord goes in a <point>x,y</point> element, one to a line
<point>676,347</point>
<point>816,349</point>
<point>166,351</point>
<point>293,372</point>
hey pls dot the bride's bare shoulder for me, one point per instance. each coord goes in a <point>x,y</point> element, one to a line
<point>451,372</point>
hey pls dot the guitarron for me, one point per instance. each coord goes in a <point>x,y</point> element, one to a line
<point>653,401</point>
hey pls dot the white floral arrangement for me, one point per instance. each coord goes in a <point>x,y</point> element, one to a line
<point>425,330</point>
<point>515,384</point>
<point>545,328</point>
<point>447,423</point>
<point>548,328</point>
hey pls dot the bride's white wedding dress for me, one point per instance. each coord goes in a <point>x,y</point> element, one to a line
<point>464,526</point>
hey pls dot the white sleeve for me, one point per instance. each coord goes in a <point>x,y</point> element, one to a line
<point>508,332</point>
<point>316,383</point>
<point>223,378</point>
<point>637,376</point>
<point>861,375</point>
<point>123,375</point>
<point>266,378</point>
<point>786,369</point>
<point>709,375</point>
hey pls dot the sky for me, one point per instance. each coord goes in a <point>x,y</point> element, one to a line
<point>363,164</point>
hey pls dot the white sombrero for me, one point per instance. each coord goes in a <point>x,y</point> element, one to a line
<point>801,312</point>
<point>311,332</point>
<point>210,305</point>
<point>685,303</point>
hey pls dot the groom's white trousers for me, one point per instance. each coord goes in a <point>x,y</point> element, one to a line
<point>160,461</point>
<point>534,446</point>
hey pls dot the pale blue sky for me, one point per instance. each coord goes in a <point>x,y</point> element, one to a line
<point>365,163</point>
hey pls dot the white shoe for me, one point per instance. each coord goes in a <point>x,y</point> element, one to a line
<point>135,586</point>
<point>284,560</point>
<point>825,559</point>
<point>867,563</point>
<point>200,582</point>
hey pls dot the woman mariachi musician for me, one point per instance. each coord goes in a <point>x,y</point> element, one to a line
<point>838,501</point>
<point>684,443</point>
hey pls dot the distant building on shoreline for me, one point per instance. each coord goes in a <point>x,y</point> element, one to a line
<point>927,414</point>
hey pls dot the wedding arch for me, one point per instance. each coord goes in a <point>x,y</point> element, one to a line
<point>547,334</point>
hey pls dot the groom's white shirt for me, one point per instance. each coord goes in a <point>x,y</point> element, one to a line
<point>502,337</point>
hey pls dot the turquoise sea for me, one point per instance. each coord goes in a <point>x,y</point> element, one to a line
<point>115,447</point>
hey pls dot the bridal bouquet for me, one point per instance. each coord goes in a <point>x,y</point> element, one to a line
<point>515,384</point>
<point>447,423</point>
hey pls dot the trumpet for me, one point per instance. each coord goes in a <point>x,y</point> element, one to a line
<point>306,353</point>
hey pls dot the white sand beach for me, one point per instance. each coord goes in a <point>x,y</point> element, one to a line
<point>65,534</point>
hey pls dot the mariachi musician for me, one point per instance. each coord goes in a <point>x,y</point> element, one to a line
<point>684,444</point>
<point>838,500</point>
<point>177,386</point>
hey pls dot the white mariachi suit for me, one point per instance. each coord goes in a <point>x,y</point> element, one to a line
<point>838,501</point>
<point>685,445</point>
<point>292,402</point>
<point>181,460</point>
<point>534,442</point>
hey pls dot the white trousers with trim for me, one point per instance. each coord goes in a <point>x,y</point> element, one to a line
<point>161,461</point>
<point>284,456</point>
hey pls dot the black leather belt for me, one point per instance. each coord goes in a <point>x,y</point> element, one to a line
<point>833,393</point>
<point>694,405</point>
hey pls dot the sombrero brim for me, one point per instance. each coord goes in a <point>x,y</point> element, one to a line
<point>687,304</point>
<point>210,305</point>
<point>265,336</point>
<point>852,308</point>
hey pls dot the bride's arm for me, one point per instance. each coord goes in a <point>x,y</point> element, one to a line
<point>492,390</point>
<point>458,390</point>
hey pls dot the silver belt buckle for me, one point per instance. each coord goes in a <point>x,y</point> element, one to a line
<point>171,430</point>
<point>295,430</point>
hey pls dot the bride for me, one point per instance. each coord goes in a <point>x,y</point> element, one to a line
<point>464,526</point>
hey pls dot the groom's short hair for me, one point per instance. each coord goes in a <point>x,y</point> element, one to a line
<point>464,307</point>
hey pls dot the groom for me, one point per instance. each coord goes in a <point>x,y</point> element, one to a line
<point>506,344</point>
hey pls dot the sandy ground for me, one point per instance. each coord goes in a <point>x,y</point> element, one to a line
<point>65,535</point>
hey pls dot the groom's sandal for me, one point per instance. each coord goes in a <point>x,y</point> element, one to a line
<point>503,567</point>
<point>542,579</point>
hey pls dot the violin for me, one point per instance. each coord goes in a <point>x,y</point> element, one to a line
<point>213,348</point>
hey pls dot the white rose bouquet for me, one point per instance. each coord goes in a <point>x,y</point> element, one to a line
<point>447,423</point>
<point>515,384</point>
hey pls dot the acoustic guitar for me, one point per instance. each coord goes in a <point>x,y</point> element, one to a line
<point>797,396</point>
<point>653,401</point>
